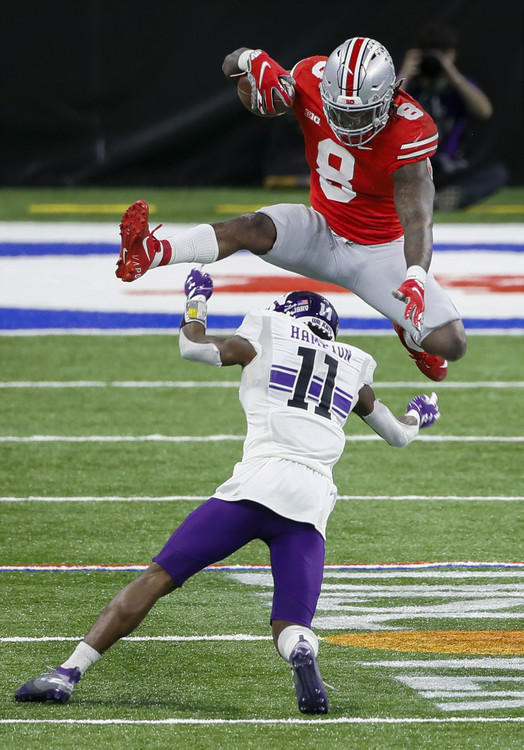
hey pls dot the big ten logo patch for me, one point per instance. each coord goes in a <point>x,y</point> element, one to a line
<point>312,116</point>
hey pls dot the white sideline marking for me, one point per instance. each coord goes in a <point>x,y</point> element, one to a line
<point>223,438</point>
<point>340,720</point>
<point>118,438</point>
<point>106,498</point>
<point>200,498</point>
<point>107,231</point>
<point>438,575</point>
<point>118,384</point>
<point>33,332</point>
<point>467,498</point>
<point>331,569</point>
<point>359,575</point>
<point>143,638</point>
<point>232,384</point>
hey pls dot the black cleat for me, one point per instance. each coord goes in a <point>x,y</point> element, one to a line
<point>54,686</point>
<point>309,687</point>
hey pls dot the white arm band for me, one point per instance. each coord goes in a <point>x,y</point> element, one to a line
<point>206,353</point>
<point>388,427</point>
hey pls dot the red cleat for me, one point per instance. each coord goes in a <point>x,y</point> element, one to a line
<point>430,365</point>
<point>137,255</point>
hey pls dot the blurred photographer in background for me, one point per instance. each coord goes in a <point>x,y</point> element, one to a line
<point>430,75</point>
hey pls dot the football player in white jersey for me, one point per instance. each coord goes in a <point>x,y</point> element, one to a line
<point>297,389</point>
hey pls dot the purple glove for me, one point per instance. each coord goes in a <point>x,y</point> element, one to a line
<point>198,283</point>
<point>426,407</point>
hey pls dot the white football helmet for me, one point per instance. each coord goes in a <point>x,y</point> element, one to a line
<point>357,87</point>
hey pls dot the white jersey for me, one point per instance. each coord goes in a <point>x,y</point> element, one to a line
<point>297,394</point>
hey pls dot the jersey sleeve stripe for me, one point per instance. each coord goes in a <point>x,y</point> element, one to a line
<point>417,153</point>
<point>416,144</point>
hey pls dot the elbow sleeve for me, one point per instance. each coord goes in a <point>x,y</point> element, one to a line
<point>385,424</point>
<point>207,353</point>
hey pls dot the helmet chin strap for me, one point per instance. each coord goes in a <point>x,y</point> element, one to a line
<point>376,126</point>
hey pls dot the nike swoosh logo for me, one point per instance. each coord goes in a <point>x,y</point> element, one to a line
<point>263,67</point>
<point>124,254</point>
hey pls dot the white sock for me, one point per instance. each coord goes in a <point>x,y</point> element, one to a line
<point>196,245</point>
<point>82,657</point>
<point>290,637</point>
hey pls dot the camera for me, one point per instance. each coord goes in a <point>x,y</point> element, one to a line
<point>430,65</point>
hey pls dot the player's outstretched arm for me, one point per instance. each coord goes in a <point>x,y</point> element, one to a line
<point>414,193</point>
<point>422,411</point>
<point>194,343</point>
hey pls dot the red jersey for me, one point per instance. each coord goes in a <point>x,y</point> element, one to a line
<point>353,187</point>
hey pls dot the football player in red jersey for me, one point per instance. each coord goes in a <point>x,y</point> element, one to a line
<point>369,226</point>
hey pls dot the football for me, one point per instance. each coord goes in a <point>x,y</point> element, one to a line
<point>244,94</point>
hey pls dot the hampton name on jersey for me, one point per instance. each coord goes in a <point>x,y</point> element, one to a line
<point>353,187</point>
<point>297,394</point>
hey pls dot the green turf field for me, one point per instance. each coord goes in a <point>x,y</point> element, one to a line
<point>107,442</point>
<point>197,205</point>
<point>114,500</point>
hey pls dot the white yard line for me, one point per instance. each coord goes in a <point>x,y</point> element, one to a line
<point>120,384</point>
<point>143,639</point>
<point>200,498</point>
<point>318,722</point>
<point>224,438</point>
<point>232,384</point>
<point>433,569</point>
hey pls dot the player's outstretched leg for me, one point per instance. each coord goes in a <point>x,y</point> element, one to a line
<point>309,687</point>
<point>430,365</point>
<point>54,686</point>
<point>205,243</point>
<point>118,619</point>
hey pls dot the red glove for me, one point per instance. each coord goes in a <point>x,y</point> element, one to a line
<point>267,79</point>
<point>411,291</point>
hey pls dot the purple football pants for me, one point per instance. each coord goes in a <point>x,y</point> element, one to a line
<point>218,528</point>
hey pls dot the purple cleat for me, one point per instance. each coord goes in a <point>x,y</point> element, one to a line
<point>309,687</point>
<point>54,686</point>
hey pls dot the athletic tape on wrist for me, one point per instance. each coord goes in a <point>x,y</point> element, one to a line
<point>196,310</point>
<point>244,59</point>
<point>414,413</point>
<point>418,273</point>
